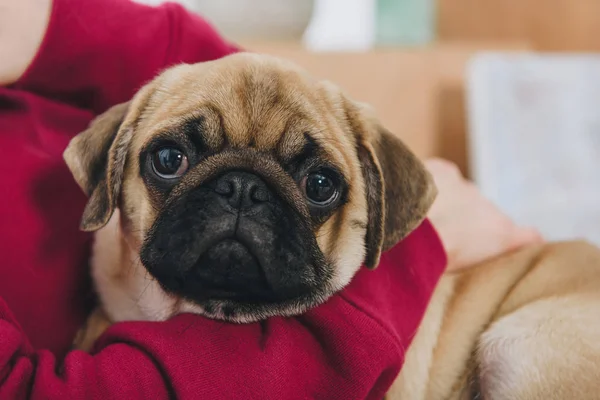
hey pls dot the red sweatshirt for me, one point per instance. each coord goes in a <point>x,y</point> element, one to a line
<point>97,53</point>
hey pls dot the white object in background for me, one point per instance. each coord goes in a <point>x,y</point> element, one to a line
<point>282,20</point>
<point>247,20</point>
<point>535,139</point>
<point>342,25</point>
<point>336,25</point>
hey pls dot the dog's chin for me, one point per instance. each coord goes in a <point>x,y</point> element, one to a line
<point>239,312</point>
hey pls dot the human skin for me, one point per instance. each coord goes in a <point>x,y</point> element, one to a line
<point>22,27</point>
<point>471,227</point>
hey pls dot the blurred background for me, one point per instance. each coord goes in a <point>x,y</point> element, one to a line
<point>509,90</point>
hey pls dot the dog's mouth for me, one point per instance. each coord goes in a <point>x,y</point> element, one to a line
<point>234,279</point>
<point>234,248</point>
<point>230,270</point>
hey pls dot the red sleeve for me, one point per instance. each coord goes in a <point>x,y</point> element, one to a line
<point>97,53</point>
<point>352,347</point>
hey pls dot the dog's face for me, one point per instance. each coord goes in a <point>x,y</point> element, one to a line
<point>248,188</point>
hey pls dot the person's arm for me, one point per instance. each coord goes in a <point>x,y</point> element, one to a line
<point>97,53</point>
<point>22,27</point>
<point>351,347</point>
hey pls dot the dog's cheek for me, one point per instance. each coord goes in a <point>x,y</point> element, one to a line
<point>341,240</point>
<point>137,211</point>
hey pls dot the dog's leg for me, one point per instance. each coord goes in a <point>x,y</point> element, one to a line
<point>95,326</point>
<point>547,350</point>
<point>545,341</point>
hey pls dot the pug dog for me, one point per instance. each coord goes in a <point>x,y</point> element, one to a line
<point>240,189</point>
<point>244,188</point>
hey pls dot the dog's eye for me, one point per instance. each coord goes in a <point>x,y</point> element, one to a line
<point>320,188</point>
<point>169,162</point>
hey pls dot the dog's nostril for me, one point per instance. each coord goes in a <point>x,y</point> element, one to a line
<point>259,194</point>
<point>242,189</point>
<point>224,187</point>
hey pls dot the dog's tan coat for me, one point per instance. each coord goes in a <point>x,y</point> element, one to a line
<point>523,326</point>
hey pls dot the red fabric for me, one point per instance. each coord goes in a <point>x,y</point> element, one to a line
<point>97,53</point>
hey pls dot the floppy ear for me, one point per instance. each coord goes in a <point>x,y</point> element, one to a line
<point>399,189</point>
<point>96,158</point>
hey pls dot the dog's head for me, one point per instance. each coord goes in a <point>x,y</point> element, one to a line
<point>248,188</point>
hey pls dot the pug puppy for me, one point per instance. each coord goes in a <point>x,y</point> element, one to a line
<point>218,174</point>
<point>243,188</point>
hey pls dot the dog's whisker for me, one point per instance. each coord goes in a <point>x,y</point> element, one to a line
<point>139,298</point>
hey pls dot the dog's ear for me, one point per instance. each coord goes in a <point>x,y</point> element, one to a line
<point>399,189</point>
<point>96,158</point>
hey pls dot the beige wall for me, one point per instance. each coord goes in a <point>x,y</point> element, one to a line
<point>548,25</point>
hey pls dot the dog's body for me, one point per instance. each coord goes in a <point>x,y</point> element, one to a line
<point>523,326</point>
<point>218,174</point>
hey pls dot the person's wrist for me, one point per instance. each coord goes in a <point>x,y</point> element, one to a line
<point>445,237</point>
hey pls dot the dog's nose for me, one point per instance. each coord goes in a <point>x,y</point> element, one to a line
<point>242,189</point>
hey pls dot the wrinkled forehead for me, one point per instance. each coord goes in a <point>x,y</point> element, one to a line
<point>243,102</point>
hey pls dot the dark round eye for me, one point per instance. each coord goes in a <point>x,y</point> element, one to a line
<point>320,188</point>
<point>169,162</point>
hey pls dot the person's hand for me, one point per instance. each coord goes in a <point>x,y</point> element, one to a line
<point>471,228</point>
